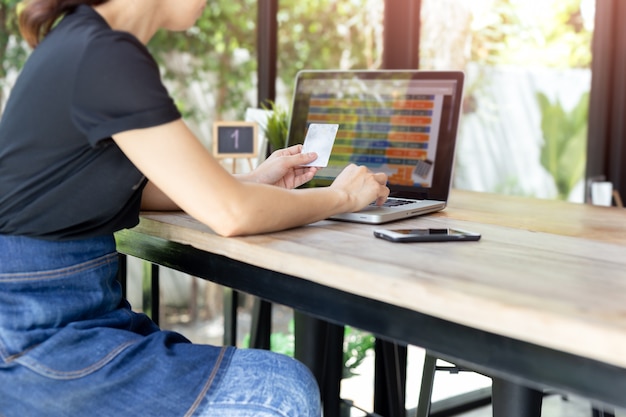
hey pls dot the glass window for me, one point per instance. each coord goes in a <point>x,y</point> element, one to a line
<point>527,64</point>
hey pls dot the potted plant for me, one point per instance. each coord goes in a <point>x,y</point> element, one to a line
<point>276,127</point>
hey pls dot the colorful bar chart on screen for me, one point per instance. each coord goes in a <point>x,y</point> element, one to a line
<point>395,133</point>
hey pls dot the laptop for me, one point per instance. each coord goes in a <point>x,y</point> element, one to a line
<point>401,122</point>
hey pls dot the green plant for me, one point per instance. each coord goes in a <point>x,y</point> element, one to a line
<point>356,345</point>
<point>280,342</point>
<point>563,153</point>
<point>13,51</point>
<point>276,127</point>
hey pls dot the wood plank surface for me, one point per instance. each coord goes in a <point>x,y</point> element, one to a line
<point>607,224</point>
<point>545,272</point>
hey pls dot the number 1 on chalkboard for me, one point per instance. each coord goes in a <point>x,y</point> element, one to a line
<point>235,139</point>
<point>235,135</point>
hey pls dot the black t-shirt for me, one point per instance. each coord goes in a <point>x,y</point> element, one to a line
<point>61,174</point>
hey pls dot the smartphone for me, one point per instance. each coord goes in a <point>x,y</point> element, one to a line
<point>425,235</point>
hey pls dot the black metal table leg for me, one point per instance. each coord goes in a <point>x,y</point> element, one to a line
<point>390,379</point>
<point>514,400</point>
<point>155,293</point>
<point>333,369</point>
<point>122,273</point>
<point>319,345</point>
<point>261,326</point>
<point>600,412</point>
<point>426,389</point>
<point>231,301</point>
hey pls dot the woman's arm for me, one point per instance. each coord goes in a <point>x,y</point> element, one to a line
<point>179,165</point>
<point>155,199</point>
<point>280,169</point>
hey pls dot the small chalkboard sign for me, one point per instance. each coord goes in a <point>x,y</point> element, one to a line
<point>235,139</point>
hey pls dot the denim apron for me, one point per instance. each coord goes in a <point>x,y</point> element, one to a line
<point>71,346</point>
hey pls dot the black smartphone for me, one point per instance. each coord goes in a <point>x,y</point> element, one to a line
<point>425,235</point>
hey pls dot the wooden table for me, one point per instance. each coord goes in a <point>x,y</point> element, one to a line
<point>539,300</point>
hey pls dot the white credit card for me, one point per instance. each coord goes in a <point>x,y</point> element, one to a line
<point>320,138</point>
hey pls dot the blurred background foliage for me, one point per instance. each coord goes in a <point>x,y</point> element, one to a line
<point>565,142</point>
<point>12,51</point>
<point>506,34</point>
<point>221,48</point>
<point>211,68</point>
<point>312,34</point>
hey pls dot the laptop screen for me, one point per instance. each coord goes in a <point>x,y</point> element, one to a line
<point>403,123</point>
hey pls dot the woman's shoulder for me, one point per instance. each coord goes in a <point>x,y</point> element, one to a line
<point>83,40</point>
<point>83,28</point>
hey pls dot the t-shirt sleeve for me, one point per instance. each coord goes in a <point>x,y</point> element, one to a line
<point>119,88</point>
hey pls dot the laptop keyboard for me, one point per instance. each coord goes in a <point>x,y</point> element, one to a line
<point>393,202</point>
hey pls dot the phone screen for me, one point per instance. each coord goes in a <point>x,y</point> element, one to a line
<point>425,235</point>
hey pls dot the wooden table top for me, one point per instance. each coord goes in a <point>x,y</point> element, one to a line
<point>605,224</point>
<point>545,272</point>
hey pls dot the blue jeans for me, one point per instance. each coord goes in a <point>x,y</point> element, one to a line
<point>71,346</point>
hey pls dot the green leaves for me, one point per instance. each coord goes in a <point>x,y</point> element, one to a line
<point>312,34</point>
<point>327,34</point>
<point>356,345</point>
<point>555,37</point>
<point>13,51</point>
<point>222,46</point>
<point>277,127</point>
<point>563,153</point>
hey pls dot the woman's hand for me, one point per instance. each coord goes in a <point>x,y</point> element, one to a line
<point>283,168</point>
<point>362,186</point>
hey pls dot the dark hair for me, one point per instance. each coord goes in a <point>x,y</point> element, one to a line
<point>38,16</point>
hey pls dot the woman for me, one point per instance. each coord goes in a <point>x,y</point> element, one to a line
<point>89,136</point>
